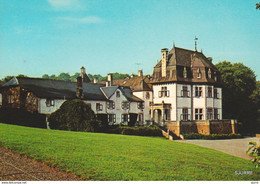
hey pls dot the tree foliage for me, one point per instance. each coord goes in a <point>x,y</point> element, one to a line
<point>74,115</point>
<point>257,6</point>
<point>240,94</point>
<point>254,151</point>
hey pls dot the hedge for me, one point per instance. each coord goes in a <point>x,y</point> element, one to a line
<point>211,136</point>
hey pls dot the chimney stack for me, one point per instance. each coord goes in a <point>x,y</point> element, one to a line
<point>210,59</point>
<point>79,92</point>
<point>164,61</point>
<point>83,75</point>
<point>109,79</point>
<point>132,75</point>
<point>140,73</point>
<point>95,80</point>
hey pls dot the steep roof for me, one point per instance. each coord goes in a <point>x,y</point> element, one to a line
<point>110,90</point>
<point>58,89</point>
<point>180,59</point>
<point>139,83</point>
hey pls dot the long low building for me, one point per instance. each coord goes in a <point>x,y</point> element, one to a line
<point>116,104</point>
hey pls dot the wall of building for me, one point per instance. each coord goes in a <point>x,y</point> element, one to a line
<point>143,95</point>
<point>44,109</point>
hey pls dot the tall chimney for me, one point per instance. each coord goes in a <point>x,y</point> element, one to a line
<point>140,73</point>
<point>110,79</point>
<point>95,80</point>
<point>164,61</point>
<point>79,92</point>
<point>132,75</point>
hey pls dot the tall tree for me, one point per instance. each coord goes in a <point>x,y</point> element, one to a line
<point>240,95</point>
<point>257,6</point>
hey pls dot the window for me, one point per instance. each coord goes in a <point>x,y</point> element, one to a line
<point>150,103</point>
<point>198,91</point>
<point>198,73</point>
<point>147,95</point>
<point>167,114</point>
<point>209,113</point>
<point>10,99</point>
<point>215,93</point>
<point>140,105</point>
<point>110,105</point>
<point>185,114</point>
<point>185,72</point>
<point>125,118</point>
<point>49,102</point>
<point>216,115</point>
<point>164,92</point>
<point>140,117</point>
<point>210,92</point>
<point>125,105</point>
<point>99,107</point>
<point>111,118</point>
<point>209,74</point>
<point>184,91</point>
<point>198,114</point>
<point>118,94</point>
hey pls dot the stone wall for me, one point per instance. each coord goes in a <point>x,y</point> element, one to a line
<point>202,127</point>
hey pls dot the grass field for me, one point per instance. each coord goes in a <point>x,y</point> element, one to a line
<point>99,156</point>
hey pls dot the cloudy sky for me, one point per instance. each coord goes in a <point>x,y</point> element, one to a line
<point>54,36</point>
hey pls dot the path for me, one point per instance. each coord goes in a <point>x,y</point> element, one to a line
<point>14,167</point>
<point>236,147</point>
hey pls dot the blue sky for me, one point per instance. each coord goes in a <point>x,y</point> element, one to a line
<point>54,36</point>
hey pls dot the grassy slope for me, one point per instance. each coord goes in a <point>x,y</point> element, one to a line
<point>119,157</point>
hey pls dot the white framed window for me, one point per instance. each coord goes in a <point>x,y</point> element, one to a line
<point>216,113</point>
<point>125,118</point>
<point>140,105</point>
<point>164,92</point>
<point>140,118</point>
<point>125,105</point>
<point>185,114</point>
<point>198,114</point>
<point>99,107</point>
<point>49,102</point>
<point>111,118</point>
<point>118,94</point>
<point>209,113</point>
<point>111,105</point>
<point>198,91</point>
<point>185,92</point>
<point>198,73</point>
<point>209,92</point>
<point>216,93</point>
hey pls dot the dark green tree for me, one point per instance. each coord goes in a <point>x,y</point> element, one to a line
<point>257,6</point>
<point>45,76</point>
<point>7,78</point>
<point>64,76</point>
<point>240,95</point>
<point>74,115</point>
<point>74,77</point>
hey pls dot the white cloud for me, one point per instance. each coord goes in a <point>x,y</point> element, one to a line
<point>65,4</point>
<point>83,20</point>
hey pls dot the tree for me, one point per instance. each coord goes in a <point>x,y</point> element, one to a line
<point>7,78</point>
<point>74,77</point>
<point>240,95</point>
<point>45,76</point>
<point>74,115</point>
<point>64,76</point>
<point>257,6</point>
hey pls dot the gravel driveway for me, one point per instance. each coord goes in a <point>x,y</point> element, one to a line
<point>236,147</point>
<point>14,167</point>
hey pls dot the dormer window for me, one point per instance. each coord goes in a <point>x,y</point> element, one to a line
<point>118,94</point>
<point>198,74</point>
<point>185,72</point>
<point>209,74</point>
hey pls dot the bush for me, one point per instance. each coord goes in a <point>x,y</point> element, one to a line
<point>74,115</point>
<point>142,131</point>
<point>211,136</point>
<point>254,151</point>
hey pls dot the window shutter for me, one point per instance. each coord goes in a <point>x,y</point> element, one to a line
<point>122,118</point>
<point>160,94</point>
<point>128,118</point>
<point>114,118</point>
<point>113,105</point>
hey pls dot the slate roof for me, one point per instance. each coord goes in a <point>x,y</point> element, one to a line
<point>110,90</point>
<point>59,89</point>
<point>178,59</point>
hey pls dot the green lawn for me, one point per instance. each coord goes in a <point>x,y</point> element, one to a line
<point>99,156</point>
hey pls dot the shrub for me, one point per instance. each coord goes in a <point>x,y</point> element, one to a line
<point>211,136</point>
<point>74,115</point>
<point>254,150</point>
<point>142,131</point>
